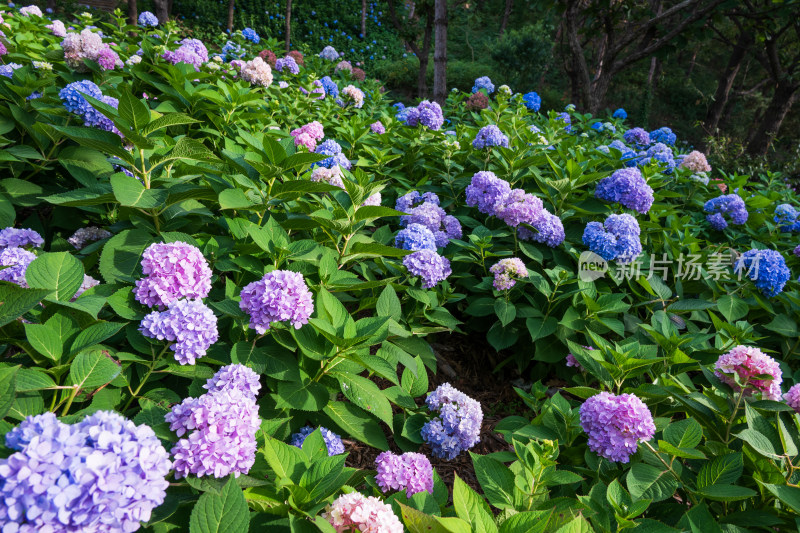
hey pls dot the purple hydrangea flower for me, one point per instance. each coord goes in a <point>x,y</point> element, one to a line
<point>659,153</point>
<point>329,53</point>
<point>20,238</point>
<point>146,18</point>
<point>332,441</point>
<point>104,473</point>
<point>280,296</point>
<point>415,237</point>
<point>483,83</point>
<point>617,238</point>
<point>238,377</point>
<point>549,230</point>
<point>726,206</point>
<point>616,424</point>
<point>191,51</point>
<point>377,127</point>
<point>84,236</point>
<point>766,268</point>
<point>412,199</point>
<point>792,398</point>
<point>428,265</point>
<point>410,471</point>
<point>517,207</point>
<point>627,187</point>
<point>505,271</point>
<point>8,69</point>
<point>637,136</point>
<point>173,271</point>
<point>457,426</point>
<point>287,64</point>
<point>747,362</point>
<point>189,324</point>
<point>16,261</point>
<point>485,190</point>
<point>489,136</point>
<point>427,113</point>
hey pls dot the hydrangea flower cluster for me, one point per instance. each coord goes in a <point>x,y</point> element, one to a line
<point>298,57</point>
<point>343,66</point>
<point>375,200</point>
<point>477,101</point>
<point>659,153</point>
<point>572,361</point>
<point>104,473</point>
<point>329,53</point>
<point>352,95</point>
<point>403,112</point>
<point>356,512</point>
<point>330,87</point>
<point>30,10</point>
<point>8,69</point>
<point>443,226</point>
<point>173,271</point>
<point>696,162</point>
<point>87,45</point>
<point>308,134</point>
<point>146,18</point>
<point>268,56</point>
<point>332,149</point>
<point>663,135</point>
<point>616,239</point>
<point>331,175</point>
<point>20,238</point>
<point>287,64</point>
<point>489,136</point>
<point>223,425</point>
<point>722,208</point>
<point>257,72</point>
<point>483,83</point>
<point>616,424</point>
<point>549,230</point>
<point>410,471</point>
<point>785,216</point>
<point>251,35</point>
<point>620,113</point>
<point>457,426</point>
<point>3,50</point>
<point>766,268</point>
<point>189,324</point>
<point>566,119</point>
<point>486,190</point>
<point>626,153</point>
<point>16,261</point>
<point>191,51</point>
<point>84,236</point>
<point>745,362</point>
<point>280,296</point>
<point>333,442</point>
<point>232,51</point>
<point>792,398</point>
<point>415,237</point>
<point>517,207</point>
<point>428,114</point>
<point>412,199</point>
<point>637,136</point>
<point>532,101</point>
<point>506,270</point>
<point>377,127</point>
<point>57,28</point>
<point>627,187</point>
<point>428,265</point>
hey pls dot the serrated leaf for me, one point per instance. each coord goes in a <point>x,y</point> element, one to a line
<point>723,470</point>
<point>225,512</point>
<point>16,301</point>
<point>59,272</point>
<point>356,423</point>
<point>365,394</point>
<point>8,376</point>
<point>131,193</point>
<point>93,368</point>
<point>121,257</point>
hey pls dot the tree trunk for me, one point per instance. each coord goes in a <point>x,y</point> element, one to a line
<point>363,19</point>
<point>725,82</point>
<point>133,12</point>
<point>162,10</point>
<point>782,99</point>
<point>231,7</point>
<point>288,30</point>
<point>506,14</point>
<point>440,52</point>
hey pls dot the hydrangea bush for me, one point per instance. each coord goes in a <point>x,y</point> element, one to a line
<point>221,267</point>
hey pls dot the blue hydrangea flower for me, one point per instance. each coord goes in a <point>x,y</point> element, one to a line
<point>457,425</point>
<point>620,113</point>
<point>489,136</point>
<point>766,268</point>
<point>617,238</point>
<point>786,217</point>
<point>332,441</point>
<point>483,83</point>
<point>330,87</point>
<point>728,205</point>
<point>251,35</point>
<point>146,18</point>
<point>72,96</point>
<point>637,136</point>
<point>658,153</point>
<point>331,148</point>
<point>232,51</point>
<point>663,135</point>
<point>415,237</point>
<point>566,119</point>
<point>627,187</point>
<point>532,101</point>
<point>8,69</point>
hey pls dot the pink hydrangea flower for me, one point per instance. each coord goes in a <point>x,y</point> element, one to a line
<point>747,362</point>
<point>173,271</point>
<point>367,514</point>
<point>616,424</point>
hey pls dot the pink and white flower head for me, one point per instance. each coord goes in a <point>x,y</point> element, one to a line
<point>57,28</point>
<point>367,514</point>
<point>343,65</point>
<point>373,200</point>
<point>308,135</point>
<point>173,271</point>
<point>30,10</point>
<point>746,362</point>
<point>331,175</point>
<point>507,271</point>
<point>257,72</point>
<point>80,46</point>
<point>696,162</point>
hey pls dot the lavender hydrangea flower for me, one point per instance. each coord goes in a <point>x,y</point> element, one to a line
<point>287,64</point>
<point>87,283</point>
<point>766,268</point>
<point>428,265</point>
<point>84,236</point>
<point>410,471</point>
<point>489,136</point>
<point>415,237</point>
<point>616,424</point>
<point>483,83</point>
<point>332,149</point>
<point>238,377</point>
<point>413,198</point>
<point>663,135</point>
<point>377,127</point>
<point>191,51</point>
<point>333,442</point>
<point>173,271</point>
<point>627,187</point>
<point>16,261</point>
<point>517,207</point>
<point>532,101</point>
<point>505,271</point>
<point>549,230</point>
<point>617,238</point>
<point>104,473</point>
<point>722,208</point>
<point>792,398</point>
<point>146,18</point>
<point>20,238</point>
<point>486,190</point>
<point>637,136</point>
<point>457,425</point>
<point>280,296</point>
<point>189,324</point>
<point>747,362</point>
<point>429,114</point>
<point>329,53</point>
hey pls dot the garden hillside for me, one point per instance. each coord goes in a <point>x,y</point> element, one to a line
<point>242,289</point>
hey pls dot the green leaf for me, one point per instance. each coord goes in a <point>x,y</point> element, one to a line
<point>783,325</point>
<point>133,111</point>
<point>505,311</point>
<point>8,393</point>
<point>95,334</point>
<point>93,368</point>
<point>121,257</point>
<point>650,483</point>
<point>732,308</point>
<point>365,394</point>
<point>726,493</point>
<point>539,328</point>
<point>415,383</point>
<point>471,507</point>
<point>788,495</point>
<point>419,522</point>
<point>496,479</point>
<point>16,301</point>
<point>722,470</point>
<point>44,340</point>
<point>286,461</point>
<point>684,434</point>
<point>59,272</point>
<point>389,304</point>
<point>225,512</point>
<point>759,443</point>
<point>131,193</point>
<point>165,121</point>
<point>356,423</point>
<point>233,199</point>
<point>309,396</point>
